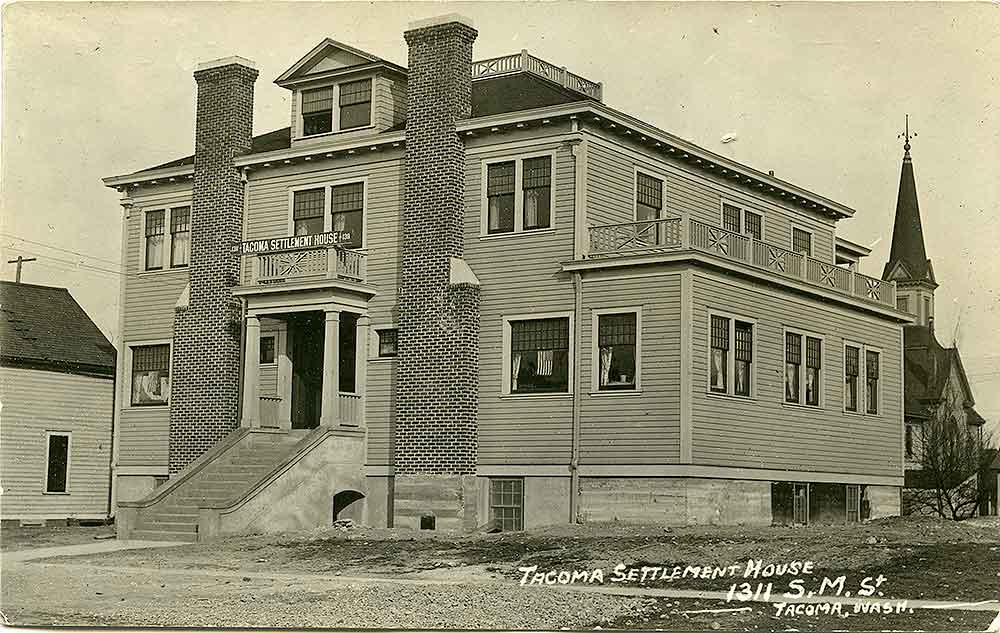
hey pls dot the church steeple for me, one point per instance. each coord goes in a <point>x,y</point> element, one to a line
<point>908,264</point>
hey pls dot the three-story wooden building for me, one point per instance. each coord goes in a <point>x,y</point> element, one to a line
<point>467,291</point>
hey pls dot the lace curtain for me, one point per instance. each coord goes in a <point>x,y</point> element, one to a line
<point>515,368</point>
<point>606,353</point>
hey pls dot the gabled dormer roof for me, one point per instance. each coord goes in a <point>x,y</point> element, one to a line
<point>908,257</point>
<point>330,58</point>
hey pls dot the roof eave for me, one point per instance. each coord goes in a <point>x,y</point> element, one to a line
<point>169,174</point>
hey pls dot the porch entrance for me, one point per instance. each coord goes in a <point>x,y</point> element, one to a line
<point>305,334</point>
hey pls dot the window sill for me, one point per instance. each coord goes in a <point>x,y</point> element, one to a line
<point>382,359</point>
<point>617,392</point>
<point>730,396</point>
<point>58,494</point>
<point>304,137</point>
<point>497,236</point>
<point>141,407</point>
<point>536,396</point>
<point>807,407</point>
<point>163,271</point>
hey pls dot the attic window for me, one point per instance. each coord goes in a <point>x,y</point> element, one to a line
<point>317,111</point>
<point>355,104</point>
<point>353,109</point>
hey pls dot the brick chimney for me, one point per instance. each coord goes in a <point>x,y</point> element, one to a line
<point>204,394</point>
<point>437,380</point>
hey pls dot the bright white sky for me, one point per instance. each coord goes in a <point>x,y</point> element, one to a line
<point>816,92</point>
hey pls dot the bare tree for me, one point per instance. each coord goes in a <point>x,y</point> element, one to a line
<point>953,458</point>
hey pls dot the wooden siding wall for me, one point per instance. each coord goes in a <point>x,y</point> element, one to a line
<point>628,428</point>
<point>519,274</point>
<point>150,298</point>
<point>267,217</point>
<point>268,377</point>
<point>389,107</point>
<point>765,433</point>
<point>611,194</point>
<point>37,401</point>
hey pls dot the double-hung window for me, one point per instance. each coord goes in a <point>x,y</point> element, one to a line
<point>348,210</point>
<point>539,355</point>
<point>345,204</point>
<point>267,350</point>
<point>802,241</point>
<point>337,108</point>
<point>803,363</point>
<point>388,343</point>
<point>617,352</point>
<point>155,238</point>
<point>740,220</point>
<point>871,382</point>
<point>852,361</point>
<point>731,356</point>
<point>317,111</point>
<point>307,211</point>
<point>518,195</point>
<point>180,237</point>
<point>507,504</point>
<point>862,362</point>
<point>167,236</point>
<point>150,374</point>
<point>648,197</point>
<point>355,104</point>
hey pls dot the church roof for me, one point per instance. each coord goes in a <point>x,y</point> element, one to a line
<point>907,257</point>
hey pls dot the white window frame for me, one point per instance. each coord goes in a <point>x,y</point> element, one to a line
<point>377,343</point>
<point>489,497</point>
<point>823,368</point>
<point>69,462</point>
<point>862,378</point>
<point>506,342</point>
<point>327,187</point>
<point>812,239</point>
<point>127,401</point>
<point>335,125</point>
<point>595,366</point>
<point>518,160</point>
<point>731,357</point>
<point>276,335</point>
<point>168,238</point>
<point>744,208</point>
<point>652,173</point>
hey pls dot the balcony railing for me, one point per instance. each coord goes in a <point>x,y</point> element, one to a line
<point>329,262</point>
<point>670,234</point>
<point>523,62</point>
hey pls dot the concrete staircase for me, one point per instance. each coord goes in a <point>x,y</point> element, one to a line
<point>227,476</point>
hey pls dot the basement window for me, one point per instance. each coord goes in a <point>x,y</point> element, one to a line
<point>507,504</point>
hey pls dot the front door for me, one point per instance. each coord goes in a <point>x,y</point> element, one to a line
<point>306,342</point>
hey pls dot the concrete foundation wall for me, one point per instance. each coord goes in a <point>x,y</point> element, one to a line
<point>451,499</point>
<point>378,509</point>
<point>884,501</point>
<point>134,487</point>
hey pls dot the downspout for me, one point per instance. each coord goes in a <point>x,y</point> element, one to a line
<point>244,304</point>
<point>118,397</point>
<point>574,464</point>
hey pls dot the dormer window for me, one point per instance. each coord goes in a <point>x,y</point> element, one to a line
<point>353,109</point>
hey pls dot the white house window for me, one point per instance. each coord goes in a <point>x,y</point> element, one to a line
<point>317,111</point>
<point>180,237</point>
<point>617,351</point>
<point>267,347</point>
<point>852,361</point>
<point>307,211</point>
<point>518,195</point>
<point>539,356</point>
<point>57,462</point>
<point>348,208</point>
<point>802,241</point>
<point>155,239</point>
<point>355,104</point>
<point>871,382</point>
<point>150,374</point>
<point>648,197</point>
<point>507,504</point>
<point>731,356</point>
<point>802,379</point>
<point>388,343</point>
<point>744,221</point>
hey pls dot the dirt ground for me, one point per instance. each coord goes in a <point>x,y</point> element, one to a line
<point>473,581</point>
<point>13,539</point>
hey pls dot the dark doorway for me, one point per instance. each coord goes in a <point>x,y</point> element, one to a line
<point>343,505</point>
<point>306,343</point>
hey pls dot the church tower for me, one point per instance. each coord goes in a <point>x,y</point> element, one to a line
<point>908,265</point>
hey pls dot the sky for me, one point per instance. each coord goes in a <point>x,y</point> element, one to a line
<point>816,92</point>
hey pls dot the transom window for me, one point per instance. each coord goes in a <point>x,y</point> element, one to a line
<point>539,356</point>
<point>730,356</point>
<point>346,205</point>
<point>57,463</point>
<point>617,351</point>
<point>165,248</point>
<point>150,374</point>
<point>648,197</point>
<point>744,221</point>
<point>802,380</point>
<point>507,504</point>
<point>518,195</point>
<point>802,241</point>
<point>354,107</point>
<point>388,343</point>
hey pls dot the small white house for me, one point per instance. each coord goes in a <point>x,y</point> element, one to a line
<point>57,376</point>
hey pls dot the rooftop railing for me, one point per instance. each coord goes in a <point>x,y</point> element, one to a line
<point>524,62</point>
<point>676,233</point>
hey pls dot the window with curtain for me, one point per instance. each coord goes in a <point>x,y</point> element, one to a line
<point>150,374</point>
<point>648,197</point>
<point>742,357</point>
<point>720,355</point>
<point>616,345</point>
<point>317,111</point>
<point>307,211</point>
<point>802,241</point>
<point>155,239</point>
<point>355,104</point>
<point>851,363</point>
<point>537,185</point>
<point>539,356</point>
<point>388,341</point>
<point>500,182</point>
<point>348,209</point>
<point>871,381</point>
<point>814,361</point>
<point>180,236</point>
<point>793,366</point>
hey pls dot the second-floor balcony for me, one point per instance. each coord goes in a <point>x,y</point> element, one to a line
<point>313,264</point>
<point>682,233</point>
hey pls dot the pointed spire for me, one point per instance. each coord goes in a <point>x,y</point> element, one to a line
<point>907,233</point>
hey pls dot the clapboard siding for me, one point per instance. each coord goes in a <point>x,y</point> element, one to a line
<point>380,410</point>
<point>37,401</point>
<point>144,437</point>
<point>390,103</point>
<point>611,166</point>
<point>519,274</point>
<point>268,376</point>
<point>645,428</point>
<point>764,433</point>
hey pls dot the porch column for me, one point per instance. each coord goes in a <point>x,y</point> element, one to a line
<point>284,378</point>
<point>330,413</point>
<point>251,374</point>
<point>361,361</point>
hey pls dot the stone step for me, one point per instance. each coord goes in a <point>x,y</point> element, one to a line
<point>153,523</point>
<point>158,535</point>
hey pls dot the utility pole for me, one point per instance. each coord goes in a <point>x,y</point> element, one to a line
<point>20,261</point>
